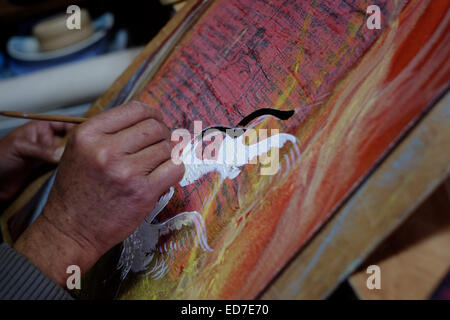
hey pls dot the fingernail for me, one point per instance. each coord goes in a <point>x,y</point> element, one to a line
<point>58,153</point>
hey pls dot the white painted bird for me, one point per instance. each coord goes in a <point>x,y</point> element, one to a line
<point>143,252</point>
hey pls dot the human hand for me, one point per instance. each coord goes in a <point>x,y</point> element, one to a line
<point>25,149</point>
<point>115,168</point>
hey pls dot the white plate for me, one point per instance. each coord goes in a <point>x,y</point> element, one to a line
<point>26,48</point>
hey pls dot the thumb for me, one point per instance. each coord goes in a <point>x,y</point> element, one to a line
<point>57,153</point>
<point>43,153</point>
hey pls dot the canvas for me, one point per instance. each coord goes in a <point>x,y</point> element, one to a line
<point>353,90</point>
<point>340,96</point>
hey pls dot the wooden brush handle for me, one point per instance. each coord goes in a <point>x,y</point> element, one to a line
<point>45,117</point>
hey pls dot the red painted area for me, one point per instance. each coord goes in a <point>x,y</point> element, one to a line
<point>423,30</point>
<point>246,55</point>
<point>241,55</point>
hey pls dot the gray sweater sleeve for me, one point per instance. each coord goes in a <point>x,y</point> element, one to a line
<point>21,280</point>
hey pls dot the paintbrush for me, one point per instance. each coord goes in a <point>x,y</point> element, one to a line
<point>45,117</point>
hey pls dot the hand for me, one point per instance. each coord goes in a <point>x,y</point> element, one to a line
<point>115,168</point>
<point>25,149</point>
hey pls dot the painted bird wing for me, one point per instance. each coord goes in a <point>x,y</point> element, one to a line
<point>151,247</point>
<point>179,233</point>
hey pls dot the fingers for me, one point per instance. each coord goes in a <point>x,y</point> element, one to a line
<point>124,116</point>
<point>35,151</point>
<point>142,135</point>
<point>130,143</point>
<point>39,140</point>
<point>46,134</point>
<point>61,127</point>
<point>151,157</point>
<point>165,176</point>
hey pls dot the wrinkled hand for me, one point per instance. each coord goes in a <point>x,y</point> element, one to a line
<point>25,149</point>
<point>113,171</point>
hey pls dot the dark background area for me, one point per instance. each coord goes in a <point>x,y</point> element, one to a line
<point>143,19</point>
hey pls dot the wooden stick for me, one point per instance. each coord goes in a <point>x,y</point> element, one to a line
<point>46,117</point>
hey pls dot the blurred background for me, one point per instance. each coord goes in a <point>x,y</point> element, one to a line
<point>47,68</point>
